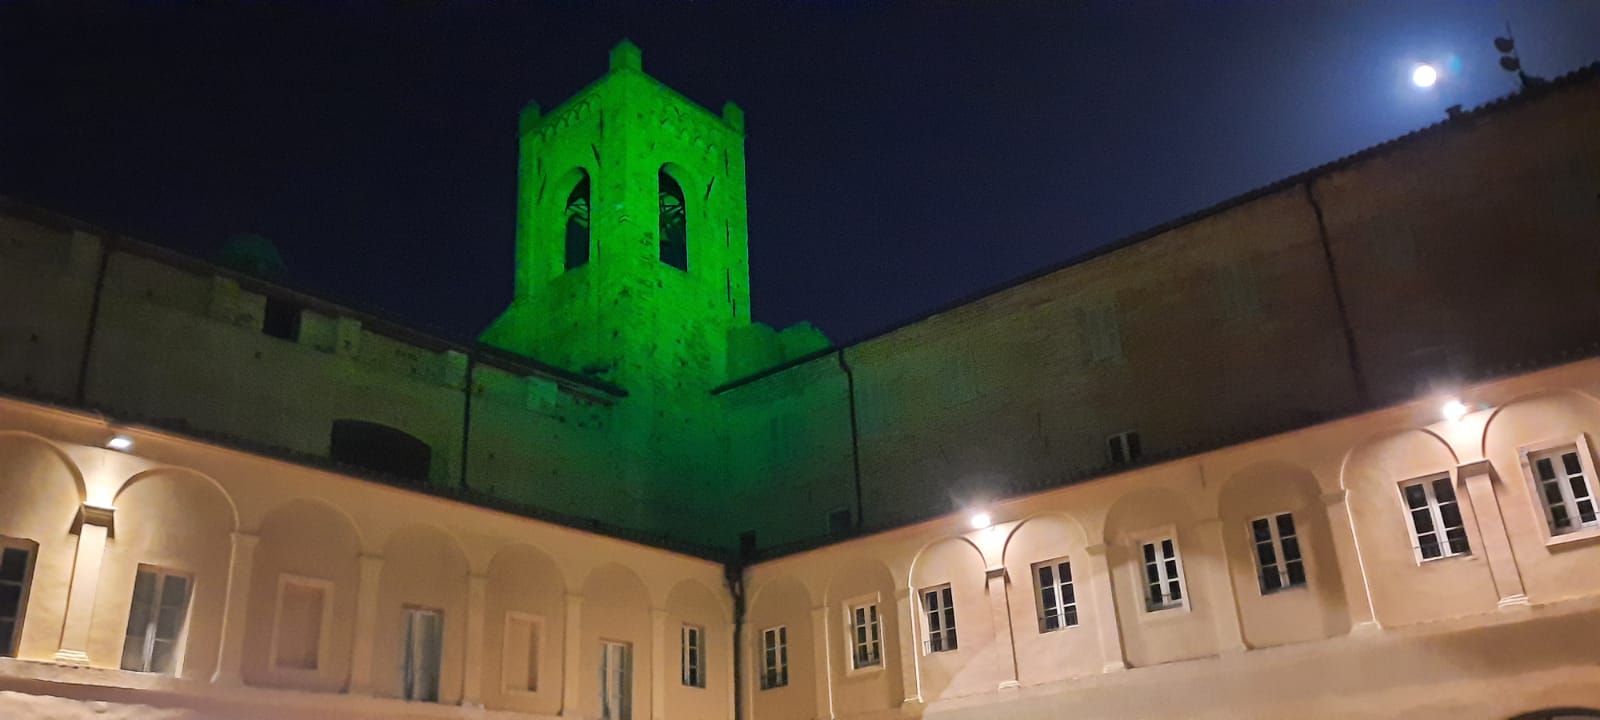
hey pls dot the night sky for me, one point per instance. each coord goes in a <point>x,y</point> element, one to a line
<point>900,155</point>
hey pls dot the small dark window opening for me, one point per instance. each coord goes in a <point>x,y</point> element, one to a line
<point>1124,448</point>
<point>674,228</point>
<point>839,521</point>
<point>577,224</point>
<point>281,320</point>
<point>380,448</point>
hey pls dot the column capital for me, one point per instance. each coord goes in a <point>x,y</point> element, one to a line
<point>99,515</point>
<point>245,541</point>
<point>1474,469</point>
<point>1335,497</point>
<point>996,572</point>
<point>1098,550</point>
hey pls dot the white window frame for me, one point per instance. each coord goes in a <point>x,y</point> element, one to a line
<point>324,624</point>
<point>32,548</point>
<point>1554,449</point>
<point>1280,565</point>
<point>624,680</point>
<point>535,625</point>
<point>1066,611</point>
<point>939,619</point>
<point>1435,513</point>
<point>774,658</point>
<point>872,603</point>
<point>438,689</point>
<point>1166,576</point>
<point>181,640</point>
<point>692,666</point>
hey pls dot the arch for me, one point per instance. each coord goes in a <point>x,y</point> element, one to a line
<point>424,568</point>
<point>616,608</point>
<point>312,545</point>
<point>172,520</point>
<point>524,630</point>
<point>1492,423</point>
<point>1288,585</point>
<point>233,509</point>
<point>960,664</point>
<point>1379,438</point>
<point>868,579</point>
<point>575,219</point>
<point>1144,509</point>
<point>782,601</point>
<point>1076,534</point>
<point>672,213</point>
<point>54,450</point>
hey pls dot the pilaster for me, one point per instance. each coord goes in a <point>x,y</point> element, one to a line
<point>366,625</point>
<point>1480,480</point>
<point>1005,646</point>
<point>1224,598</point>
<point>570,672</point>
<point>1107,627</point>
<point>1347,543</point>
<point>910,654</point>
<point>822,661</point>
<point>235,608</point>
<point>94,526</point>
<point>472,675</point>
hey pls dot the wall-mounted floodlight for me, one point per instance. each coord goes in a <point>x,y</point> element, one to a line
<point>120,442</point>
<point>980,520</point>
<point>1453,410</point>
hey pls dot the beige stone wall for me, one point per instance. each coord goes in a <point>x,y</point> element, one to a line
<point>239,524</point>
<point>1373,633</point>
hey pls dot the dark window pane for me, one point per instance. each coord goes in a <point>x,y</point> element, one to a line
<point>1072,616</point>
<point>1559,517</point>
<point>1451,514</point>
<point>1285,525</point>
<point>1067,595</point>
<point>1152,573</point>
<point>1174,590</point>
<point>1580,489</point>
<point>1586,510</point>
<point>1149,552</point>
<point>1270,580</point>
<point>1264,555</point>
<point>1166,549</point>
<point>10,600</point>
<point>952,636</point>
<point>1297,574</point>
<point>1458,541</point>
<point>1443,491</point>
<point>1422,520</point>
<point>1291,550</point>
<point>1416,496</point>
<point>1570,462</point>
<point>13,564</point>
<point>7,630</point>
<point>1552,493</point>
<point>1066,572</point>
<point>1261,530</point>
<point>1052,622</point>
<point>1544,469</point>
<point>1046,578</point>
<point>1429,548</point>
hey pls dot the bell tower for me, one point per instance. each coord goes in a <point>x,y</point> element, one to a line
<point>632,262</point>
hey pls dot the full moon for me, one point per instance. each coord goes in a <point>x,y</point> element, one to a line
<point>1424,76</point>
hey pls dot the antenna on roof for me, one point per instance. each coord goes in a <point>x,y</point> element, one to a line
<point>1510,61</point>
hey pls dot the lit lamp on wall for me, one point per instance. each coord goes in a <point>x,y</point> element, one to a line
<point>1453,410</point>
<point>120,443</point>
<point>980,520</point>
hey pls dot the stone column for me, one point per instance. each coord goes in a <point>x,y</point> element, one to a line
<point>235,609</point>
<point>910,653</point>
<point>822,661</point>
<point>1479,479</point>
<point>1218,580</point>
<point>472,673</point>
<point>366,625</point>
<point>94,525</point>
<point>1103,600</point>
<point>1005,646</point>
<point>1347,544</point>
<point>658,663</point>
<point>571,674</point>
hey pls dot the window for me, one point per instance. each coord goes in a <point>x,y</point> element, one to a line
<point>1058,603</point>
<point>576,219</point>
<point>156,621</point>
<point>380,448</point>
<point>1431,503</point>
<point>520,657</point>
<point>1162,577</point>
<point>674,227</point>
<point>938,605</point>
<point>616,681</point>
<point>866,641</point>
<point>16,569</point>
<point>1278,564</point>
<point>775,657</point>
<point>281,319</point>
<point>694,654</point>
<point>298,628</point>
<point>424,638</point>
<point>1124,447</point>
<point>1566,488</point>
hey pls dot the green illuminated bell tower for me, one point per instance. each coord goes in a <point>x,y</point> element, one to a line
<point>632,261</point>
